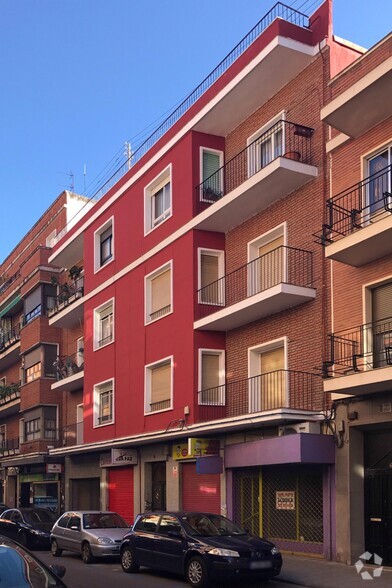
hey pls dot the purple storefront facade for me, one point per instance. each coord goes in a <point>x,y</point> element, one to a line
<point>283,488</point>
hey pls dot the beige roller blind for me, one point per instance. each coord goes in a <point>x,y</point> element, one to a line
<point>160,383</point>
<point>210,371</point>
<point>160,291</point>
<point>271,266</point>
<point>382,302</point>
<point>209,269</point>
<point>271,246</point>
<point>272,361</point>
<point>273,385</point>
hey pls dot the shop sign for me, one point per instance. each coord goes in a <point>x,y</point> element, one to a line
<point>285,500</point>
<point>195,448</point>
<point>45,501</point>
<point>118,457</point>
<point>38,477</point>
<point>54,468</point>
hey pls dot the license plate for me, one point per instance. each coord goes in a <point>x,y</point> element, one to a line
<point>260,565</point>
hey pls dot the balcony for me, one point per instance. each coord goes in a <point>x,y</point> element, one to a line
<point>363,105</point>
<point>66,309</point>
<point>359,225</point>
<point>360,359</point>
<point>7,281</point>
<point>9,447</point>
<point>69,372</point>
<point>9,347</point>
<point>276,281</point>
<point>71,435</point>
<point>9,399</point>
<point>274,165</point>
<point>273,393</point>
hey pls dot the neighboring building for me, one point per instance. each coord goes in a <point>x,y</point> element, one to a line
<point>31,413</point>
<point>358,238</point>
<point>203,304</point>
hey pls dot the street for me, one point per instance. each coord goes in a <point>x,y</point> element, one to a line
<point>106,573</point>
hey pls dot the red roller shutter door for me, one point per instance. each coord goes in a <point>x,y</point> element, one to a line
<point>121,492</point>
<point>200,492</point>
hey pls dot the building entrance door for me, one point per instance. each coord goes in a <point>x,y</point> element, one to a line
<point>378,515</point>
<point>159,485</point>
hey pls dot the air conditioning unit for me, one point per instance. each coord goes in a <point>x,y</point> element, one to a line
<point>308,427</point>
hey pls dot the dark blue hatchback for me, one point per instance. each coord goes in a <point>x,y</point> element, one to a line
<point>201,546</point>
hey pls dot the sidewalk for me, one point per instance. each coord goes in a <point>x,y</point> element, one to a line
<point>318,573</point>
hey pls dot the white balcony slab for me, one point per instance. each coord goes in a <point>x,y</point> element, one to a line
<point>74,382</point>
<point>367,382</point>
<point>9,356</point>
<point>70,316</point>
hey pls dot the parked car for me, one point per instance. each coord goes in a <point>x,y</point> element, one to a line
<point>203,547</point>
<point>91,533</point>
<point>29,526</point>
<point>3,507</point>
<point>19,567</point>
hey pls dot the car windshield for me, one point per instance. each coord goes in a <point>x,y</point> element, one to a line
<point>19,568</point>
<point>40,516</point>
<point>211,525</point>
<point>104,520</point>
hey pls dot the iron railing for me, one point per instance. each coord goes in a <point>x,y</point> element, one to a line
<point>9,338</point>
<point>4,285</point>
<point>9,446</point>
<point>68,365</point>
<point>160,405</point>
<point>361,348</point>
<point>356,207</point>
<point>279,10</point>
<point>32,314</point>
<point>69,293</point>
<point>8,393</point>
<point>283,139</point>
<point>160,312</point>
<point>281,265</point>
<point>262,393</point>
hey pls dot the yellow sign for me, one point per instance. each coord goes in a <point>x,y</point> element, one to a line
<point>196,448</point>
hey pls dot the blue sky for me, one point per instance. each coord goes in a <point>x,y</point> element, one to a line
<point>81,77</point>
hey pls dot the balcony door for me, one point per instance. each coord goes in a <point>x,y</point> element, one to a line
<point>268,389</point>
<point>380,183</point>
<point>381,331</point>
<point>271,264</point>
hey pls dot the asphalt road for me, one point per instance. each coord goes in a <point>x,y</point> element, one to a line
<point>102,574</point>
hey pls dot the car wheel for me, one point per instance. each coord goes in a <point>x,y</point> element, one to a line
<point>196,572</point>
<point>128,563</point>
<point>23,539</point>
<point>87,555</point>
<point>54,548</point>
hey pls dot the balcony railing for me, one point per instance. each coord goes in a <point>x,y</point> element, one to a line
<point>283,139</point>
<point>282,265</point>
<point>9,393</point>
<point>6,281</point>
<point>69,293</point>
<point>9,338</point>
<point>68,365</point>
<point>71,434</point>
<point>362,348</point>
<point>356,207</point>
<point>262,393</point>
<point>9,446</point>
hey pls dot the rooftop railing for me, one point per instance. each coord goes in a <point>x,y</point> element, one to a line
<point>281,265</point>
<point>358,206</point>
<point>283,139</point>
<point>262,393</point>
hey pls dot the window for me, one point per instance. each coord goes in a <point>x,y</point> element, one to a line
<point>147,524</point>
<point>158,200</point>
<point>33,372</point>
<point>51,239</point>
<point>159,386</point>
<point>211,175</point>
<point>169,524</point>
<point>268,386</point>
<point>50,422</point>
<point>381,332</point>
<point>39,363</point>
<point>104,245</point>
<point>158,291</point>
<point>33,305</point>
<point>104,325</point>
<point>103,403</point>
<point>32,429</point>
<point>267,260</point>
<point>211,272</point>
<point>3,437</point>
<point>212,377</point>
<point>266,144</point>
<point>381,183</point>
<point>80,352</point>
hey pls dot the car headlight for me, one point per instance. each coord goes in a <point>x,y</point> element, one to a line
<point>38,532</point>
<point>224,552</point>
<point>275,551</point>
<point>104,540</point>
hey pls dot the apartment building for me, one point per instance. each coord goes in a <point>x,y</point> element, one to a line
<point>357,237</point>
<point>31,413</point>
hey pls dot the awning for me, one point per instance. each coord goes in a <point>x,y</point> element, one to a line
<point>10,305</point>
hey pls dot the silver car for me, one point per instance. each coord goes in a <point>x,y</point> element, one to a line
<point>89,532</point>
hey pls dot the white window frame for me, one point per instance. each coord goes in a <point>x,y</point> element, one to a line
<point>254,162</point>
<point>79,354</point>
<point>161,180</point>
<point>97,245</point>
<point>221,162</point>
<point>147,384</point>
<point>4,427</point>
<point>220,254</point>
<point>365,172</point>
<point>50,238</point>
<point>79,424</point>
<point>222,373</point>
<point>254,364</point>
<point>368,316</point>
<point>3,381</point>
<point>148,292</point>
<point>253,253</point>
<point>21,431</point>
<point>100,388</point>
<point>97,324</point>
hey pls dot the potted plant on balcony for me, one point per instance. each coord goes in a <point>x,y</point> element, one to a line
<point>211,194</point>
<point>294,155</point>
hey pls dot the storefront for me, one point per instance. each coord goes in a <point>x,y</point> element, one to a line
<point>120,465</point>
<point>282,489</point>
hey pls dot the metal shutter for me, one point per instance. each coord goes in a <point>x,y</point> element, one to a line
<point>121,492</point>
<point>200,492</point>
<point>382,302</point>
